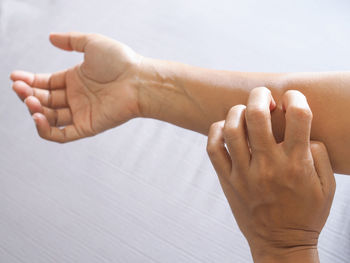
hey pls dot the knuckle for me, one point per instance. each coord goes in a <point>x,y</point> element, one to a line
<point>215,126</point>
<point>267,177</point>
<point>212,149</point>
<point>265,167</point>
<point>231,132</point>
<point>261,89</point>
<point>237,108</point>
<point>317,146</point>
<point>293,93</point>
<point>300,113</point>
<point>296,169</point>
<point>212,145</point>
<point>231,129</point>
<point>255,113</point>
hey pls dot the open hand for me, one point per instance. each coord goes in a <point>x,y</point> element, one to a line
<point>96,95</point>
<point>280,194</point>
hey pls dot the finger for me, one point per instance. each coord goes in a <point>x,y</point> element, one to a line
<point>34,105</point>
<point>216,149</point>
<point>55,117</point>
<point>258,119</point>
<point>42,81</point>
<point>22,89</point>
<point>52,98</point>
<point>235,136</point>
<point>45,131</point>
<point>33,80</point>
<point>298,120</point>
<point>49,98</point>
<point>323,167</point>
<point>69,41</point>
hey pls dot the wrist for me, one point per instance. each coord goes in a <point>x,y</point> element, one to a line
<point>158,90</point>
<point>146,87</point>
<point>305,254</point>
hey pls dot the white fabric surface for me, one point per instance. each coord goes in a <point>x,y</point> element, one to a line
<point>145,191</point>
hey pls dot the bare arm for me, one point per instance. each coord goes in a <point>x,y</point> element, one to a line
<point>194,98</point>
<point>114,84</point>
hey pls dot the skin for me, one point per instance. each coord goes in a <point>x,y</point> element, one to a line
<point>87,99</point>
<point>280,193</point>
<point>114,84</point>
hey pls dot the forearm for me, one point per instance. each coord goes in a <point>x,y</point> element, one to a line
<point>194,98</point>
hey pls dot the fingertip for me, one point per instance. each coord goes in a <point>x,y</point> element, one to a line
<point>41,123</point>
<point>22,89</point>
<point>51,36</point>
<point>21,75</point>
<point>36,118</point>
<point>60,40</point>
<point>293,96</point>
<point>17,73</point>
<point>39,119</point>
<point>54,35</point>
<point>14,74</point>
<point>33,104</point>
<point>31,100</point>
<point>214,127</point>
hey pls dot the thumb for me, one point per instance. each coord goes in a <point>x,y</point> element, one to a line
<point>70,41</point>
<point>323,166</point>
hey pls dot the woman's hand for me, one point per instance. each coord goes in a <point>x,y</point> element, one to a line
<point>280,194</point>
<point>87,99</point>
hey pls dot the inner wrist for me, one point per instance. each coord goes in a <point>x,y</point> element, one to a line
<point>305,254</point>
<point>146,79</point>
<point>156,88</point>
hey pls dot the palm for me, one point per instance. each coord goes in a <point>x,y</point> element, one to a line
<point>87,99</point>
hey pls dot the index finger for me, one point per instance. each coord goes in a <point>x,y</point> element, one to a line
<point>298,119</point>
<point>258,119</point>
<point>39,80</point>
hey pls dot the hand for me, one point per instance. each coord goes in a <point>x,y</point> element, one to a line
<point>280,194</point>
<point>87,99</point>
